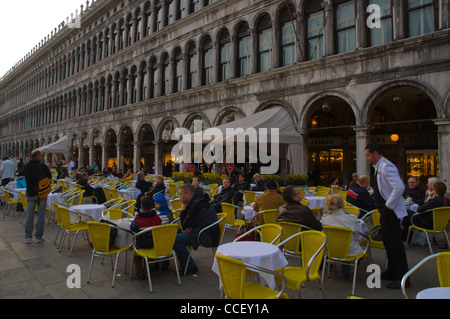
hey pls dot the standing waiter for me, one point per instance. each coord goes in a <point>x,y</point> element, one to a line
<point>388,191</point>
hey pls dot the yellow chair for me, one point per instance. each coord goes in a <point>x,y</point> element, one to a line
<point>10,201</point>
<point>100,238</point>
<point>312,188</point>
<point>222,217</point>
<point>291,247</point>
<point>231,221</point>
<point>163,241</point>
<point>23,201</point>
<point>70,227</point>
<point>58,221</point>
<point>172,190</point>
<point>113,203</point>
<point>336,189</point>
<point>176,203</point>
<point>322,193</point>
<point>269,215</point>
<point>114,193</point>
<point>443,269</point>
<point>107,192</point>
<point>338,245</point>
<point>213,188</point>
<point>441,218</point>
<point>75,199</point>
<point>250,197</point>
<point>129,207</point>
<point>313,250</point>
<point>232,274</point>
<point>115,214</point>
<point>304,202</point>
<point>270,233</point>
<point>375,214</point>
<point>352,209</point>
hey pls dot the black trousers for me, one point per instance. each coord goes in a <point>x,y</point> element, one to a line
<point>5,181</point>
<point>392,240</point>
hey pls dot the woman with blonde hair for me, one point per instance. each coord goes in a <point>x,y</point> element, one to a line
<point>430,191</point>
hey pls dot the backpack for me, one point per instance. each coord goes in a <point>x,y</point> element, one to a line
<point>44,185</point>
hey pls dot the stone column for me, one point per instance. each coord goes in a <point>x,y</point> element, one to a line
<point>444,150</point>
<point>104,156</point>
<point>399,19</point>
<point>329,28</point>
<point>362,139</point>
<point>137,156</point>
<point>158,158</point>
<point>120,156</point>
<point>80,156</point>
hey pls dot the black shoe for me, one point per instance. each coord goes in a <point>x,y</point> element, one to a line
<point>397,284</point>
<point>387,276</point>
<point>192,271</point>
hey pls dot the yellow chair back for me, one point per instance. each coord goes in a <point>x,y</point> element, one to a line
<point>250,197</point>
<point>7,195</point>
<point>270,216</point>
<point>114,213</point>
<point>214,188</point>
<point>176,204</point>
<point>228,209</point>
<point>352,209</point>
<point>270,232</point>
<point>99,234</point>
<point>164,239</point>
<point>441,216</point>
<point>172,190</point>
<point>107,192</point>
<point>304,202</point>
<point>232,276</point>
<point>443,267</point>
<point>290,229</point>
<point>114,193</point>
<point>311,242</point>
<point>23,200</point>
<point>57,214</point>
<point>338,243</point>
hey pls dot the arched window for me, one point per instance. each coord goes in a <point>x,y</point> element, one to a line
<point>159,12</point>
<point>287,36</point>
<point>165,89</point>
<point>264,28</point>
<point>192,66</point>
<point>207,61</point>
<point>315,23</point>
<point>422,16</point>
<point>345,26</point>
<point>384,34</point>
<point>243,50</point>
<point>178,71</point>
<point>153,81</point>
<point>225,56</point>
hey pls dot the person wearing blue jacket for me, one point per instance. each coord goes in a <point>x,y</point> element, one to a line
<point>162,208</point>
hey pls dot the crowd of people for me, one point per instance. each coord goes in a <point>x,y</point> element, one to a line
<point>387,193</point>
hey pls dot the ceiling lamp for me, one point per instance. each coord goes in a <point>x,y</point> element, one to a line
<point>397,99</point>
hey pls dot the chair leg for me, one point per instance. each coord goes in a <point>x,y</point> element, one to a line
<point>429,243</point>
<point>61,243</point>
<point>148,275</point>
<point>354,277</point>
<point>57,235</point>
<point>175,260</point>
<point>91,265</point>
<point>187,262</point>
<point>115,269</point>
<point>73,244</point>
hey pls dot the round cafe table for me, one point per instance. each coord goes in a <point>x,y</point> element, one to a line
<point>315,201</point>
<point>257,253</point>
<point>434,293</point>
<point>93,210</point>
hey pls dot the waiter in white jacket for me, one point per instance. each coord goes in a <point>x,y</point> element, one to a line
<point>388,195</point>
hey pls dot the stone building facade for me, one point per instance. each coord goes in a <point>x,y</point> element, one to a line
<point>135,70</point>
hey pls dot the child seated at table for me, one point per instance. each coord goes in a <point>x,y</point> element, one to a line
<point>162,208</point>
<point>147,217</point>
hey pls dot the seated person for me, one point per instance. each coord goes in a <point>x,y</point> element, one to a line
<point>359,196</point>
<point>143,186</point>
<point>416,193</point>
<point>196,183</point>
<point>159,187</point>
<point>335,182</point>
<point>196,214</point>
<point>239,189</point>
<point>162,208</point>
<point>260,184</point>
<point>429,194</point>
<point>294,212</point>
<point>337,216</point>
<point>129,176</point>
<point>269,200</point>
<point>426,220</point>
<point>225,196</point>
<point>146,218</point>
<point>89,190</point>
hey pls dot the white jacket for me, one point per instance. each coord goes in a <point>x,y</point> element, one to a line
<point>391,186</point>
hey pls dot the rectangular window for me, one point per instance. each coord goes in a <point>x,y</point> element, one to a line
<point>346,27</point>
<point>225,62</point>
<point>315,36</point>
<point>420,17</point>
<point>288,43</point>
<point>208,67</point>
<point>244,56</point>
<point>265,50</point>
<point>382,35</point>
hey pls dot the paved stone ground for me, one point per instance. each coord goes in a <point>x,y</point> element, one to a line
<point>39,271</point>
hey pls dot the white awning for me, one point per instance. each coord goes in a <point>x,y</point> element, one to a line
<point>62,146</point>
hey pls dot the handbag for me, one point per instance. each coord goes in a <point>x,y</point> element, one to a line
<point>243,230</point>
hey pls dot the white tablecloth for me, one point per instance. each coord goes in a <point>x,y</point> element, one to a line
<point>93,210</point>
<point>434,293</point>
<point>53,198</point>
<point>129,194</point>
<point>315,201</point>
<point>412,207</point>
<point>260,254</point>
